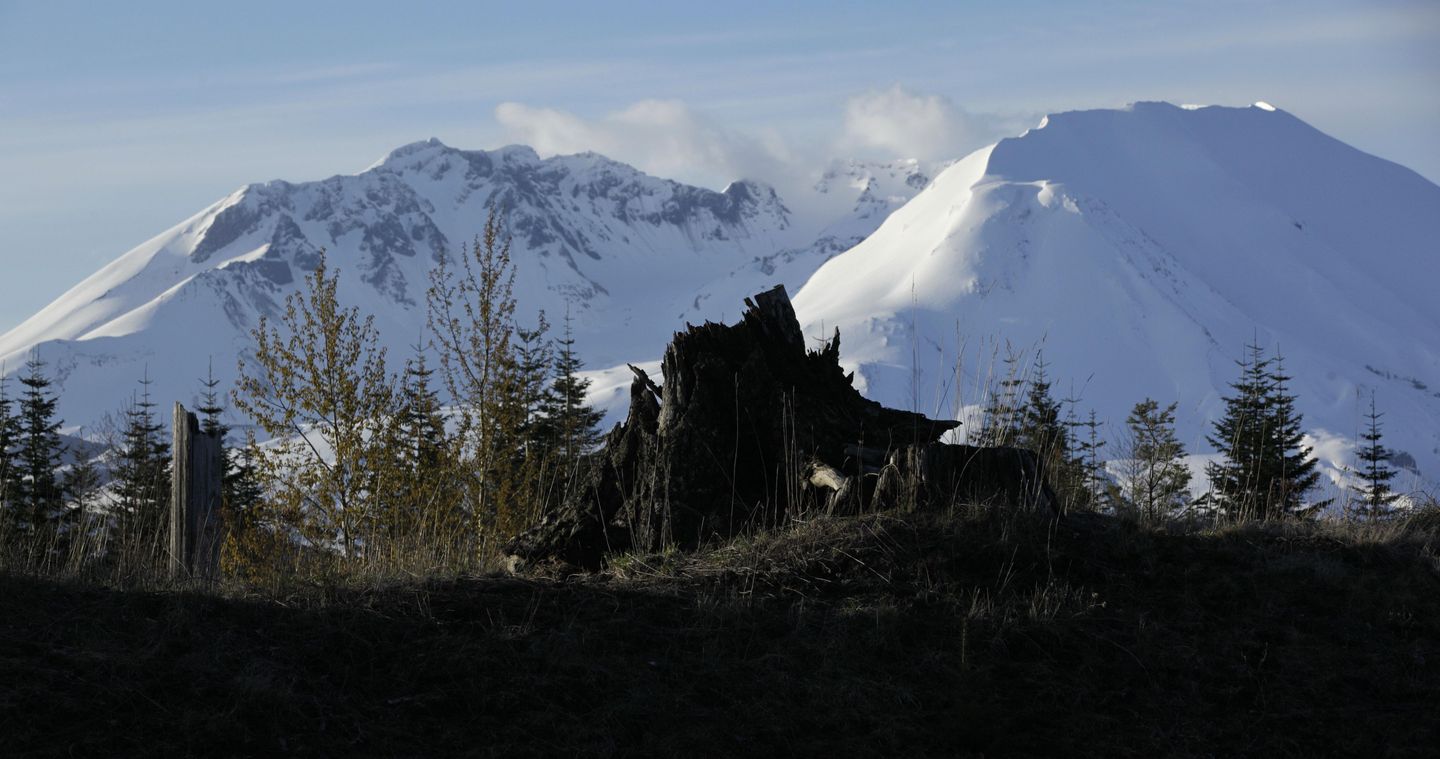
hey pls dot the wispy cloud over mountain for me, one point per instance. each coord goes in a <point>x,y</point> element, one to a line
<point>664,137</point>
<point>898,122</point>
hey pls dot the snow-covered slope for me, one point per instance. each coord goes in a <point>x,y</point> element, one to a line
<point>630,255</point>
<point>848,201</point>
<point>1141,249</point>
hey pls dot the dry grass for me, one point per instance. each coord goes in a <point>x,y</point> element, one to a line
<point>972,633</point>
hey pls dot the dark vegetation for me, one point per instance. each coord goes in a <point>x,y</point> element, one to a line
<point>750,430</point>
<point>759,561</point>
<point>978,632</point>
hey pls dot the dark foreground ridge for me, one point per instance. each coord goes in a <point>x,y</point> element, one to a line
<point>771,566</point>
<point>748,430</point>
<point>977,632</point>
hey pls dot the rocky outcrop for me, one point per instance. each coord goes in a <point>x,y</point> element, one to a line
<point>749,429</point>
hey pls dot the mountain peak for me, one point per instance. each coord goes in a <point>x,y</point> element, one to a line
<point>514,154</point>
<point>1156,111</point>
<point>1142,247</point>
<point>412,153</point>
<point>625,249</point>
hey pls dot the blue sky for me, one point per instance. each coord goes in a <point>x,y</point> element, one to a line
<point>118,120</point>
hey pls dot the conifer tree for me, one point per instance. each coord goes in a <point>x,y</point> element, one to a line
<point>9,434</point>
<point>82,485</point>
<point>1002,409</point>
<point>1296,474</point>
<point>253,531</point>
<point>1157,477</point>
<point>422,424</point>
<point>1243,437</point>
<point>531,475</point>
<point>1087,458</point>
<point>1040,428</point>
<point>424,497</point>
<point>141,477</point>
<point>211,410</point>
<point>1376,497</point>
<point>576,426</point>
<point>1266,470</point>
<point>38,496</point>
<point>245,488</point>
<point>1082,477</point>
<point>239,488</point>
<point>533,358</point>
<point>320,387</point>
<point>472,317</point>
<point>82,482</point>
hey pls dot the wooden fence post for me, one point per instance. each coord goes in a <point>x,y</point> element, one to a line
<point>195,476</point>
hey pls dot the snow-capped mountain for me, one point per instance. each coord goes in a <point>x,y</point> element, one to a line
<point>848,201</point>
<point>629,255</point>
<point>872,191</point>
<point>1140,249</point>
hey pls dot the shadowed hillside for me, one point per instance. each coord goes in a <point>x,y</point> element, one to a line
<point>970,633</point>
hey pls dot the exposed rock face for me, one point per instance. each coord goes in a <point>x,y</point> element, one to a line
<point>625,251</point>
<point>749,429</point>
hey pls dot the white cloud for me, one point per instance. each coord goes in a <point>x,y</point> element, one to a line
<point>898,123</point>
<point>663,137</point>
<point>670,139</point>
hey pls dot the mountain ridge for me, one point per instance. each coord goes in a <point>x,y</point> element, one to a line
<point>1141,248</point>
<point>630,253</point>
<point>1138,247</point>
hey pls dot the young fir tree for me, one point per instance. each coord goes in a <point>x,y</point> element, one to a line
<point>9,433</point>
<point>212,412</point>
<point>1002,410</point>
<point>472,317</point>
<point>1266,470</point>
<point>1295,474</point>
<point>38,497</point>
<point>535,469</point>
<point>246,490</point>
<point>141,478</point>
<point>1243,438</point>
<point>82,483</point>
<point>239,489</point>
<point>318,384</point>
<point>1376,497</point>
<point>424,498</point>
<point>575,425</point>
<point>533,356</point>
<point>83,486</point>
<point>1157,477</point>
<point>1041,430</point>
<point>255,535</point>
<point>1087,455</point>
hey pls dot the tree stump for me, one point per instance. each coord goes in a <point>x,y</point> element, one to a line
<point>196,471</point>
<point>747,429</point>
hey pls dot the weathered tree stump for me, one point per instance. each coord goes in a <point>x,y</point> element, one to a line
<point>748,429</point>
<point>196,471</point>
